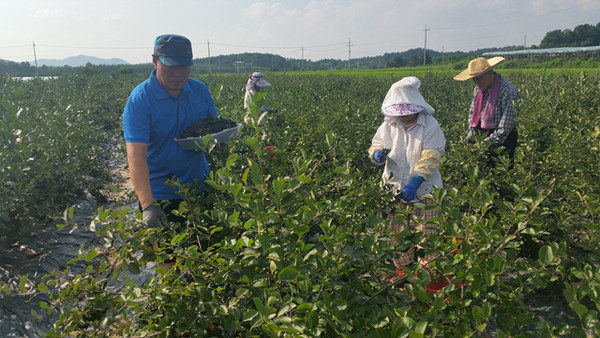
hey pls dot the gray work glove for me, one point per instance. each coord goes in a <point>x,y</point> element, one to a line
<point>154,216</point>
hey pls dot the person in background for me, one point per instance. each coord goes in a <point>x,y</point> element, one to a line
<point>494,108</point>
<point>256,82</point>
<point>157,110</point>
<point>410,143</point>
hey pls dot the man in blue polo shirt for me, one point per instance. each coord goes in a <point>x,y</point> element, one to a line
<point>158,109</point>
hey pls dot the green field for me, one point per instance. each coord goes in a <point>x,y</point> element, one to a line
<point>294,243</point>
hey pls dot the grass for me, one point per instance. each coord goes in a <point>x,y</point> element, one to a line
<point>437,69</point>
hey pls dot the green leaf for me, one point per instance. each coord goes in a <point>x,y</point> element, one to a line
<point>22,282</point>
<point>407,321</point>
<point>288,198</point>
<point>488,277</point>
<point>339,170</point>
<point>329,138</point>
<point>90,255</point>
<point>487,309</point>
<point>134,267</point>
<point>545,254</point>
<point>285,309</point>
<point>257,178</point>
<point>499,264</point>
<point>478,314</point>
<point>580,309</point>
<point>42,287</point>
<point>422,295</point>
<point>421,327</point>
<point>215,230</point>
<point>439,303</point>
<point>287,274</point>
<point>233,218</point>
<point>230,160</point>
<point>420,206</point>
<point>251,142</point>
<point>263,309</point>
<point>245,175</point>
<point>250,315</point>
<point>249,223</point>
<point>235,189</point>
<point>282,320</point>
<point>304,307</point>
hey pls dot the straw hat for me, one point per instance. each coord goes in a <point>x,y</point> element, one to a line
<point>477,67</point>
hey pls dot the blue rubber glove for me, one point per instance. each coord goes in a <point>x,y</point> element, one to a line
<point>380,156</point>
<point>409,191</point>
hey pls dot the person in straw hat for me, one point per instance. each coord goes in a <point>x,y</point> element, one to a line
<point>494,108</point>
<point>410,143</point>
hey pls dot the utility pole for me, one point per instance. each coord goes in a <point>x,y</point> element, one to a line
<point>35,59</point>
<point>525,41</point>
<point>442,54</point>
<point>425,46</point>
<point>208,44</point>
<point>302,64</point>
<point>349,53</point>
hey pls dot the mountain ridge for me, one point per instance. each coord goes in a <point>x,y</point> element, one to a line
<point>78,61</point>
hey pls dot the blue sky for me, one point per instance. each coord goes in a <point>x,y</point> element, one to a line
<point>314,30</point>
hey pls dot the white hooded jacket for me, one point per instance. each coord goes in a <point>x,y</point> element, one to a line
<point>417,149</point>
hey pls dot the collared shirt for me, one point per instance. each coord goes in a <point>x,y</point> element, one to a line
<point>406,146</point>
<point>505,114</point>
<point>155,117</point>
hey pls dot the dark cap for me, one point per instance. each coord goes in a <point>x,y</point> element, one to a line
<point>173,50</point>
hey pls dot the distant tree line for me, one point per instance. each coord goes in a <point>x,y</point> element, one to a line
<point>581,36</point>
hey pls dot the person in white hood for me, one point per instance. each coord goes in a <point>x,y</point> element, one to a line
<point>410,143</point>
<point>256,82</point>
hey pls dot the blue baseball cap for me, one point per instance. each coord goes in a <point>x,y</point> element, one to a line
<point>173,50</point>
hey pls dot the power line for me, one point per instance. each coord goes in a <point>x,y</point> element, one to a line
<point>278,47</point>
<point>80,47</point>
<point>15,46</point>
